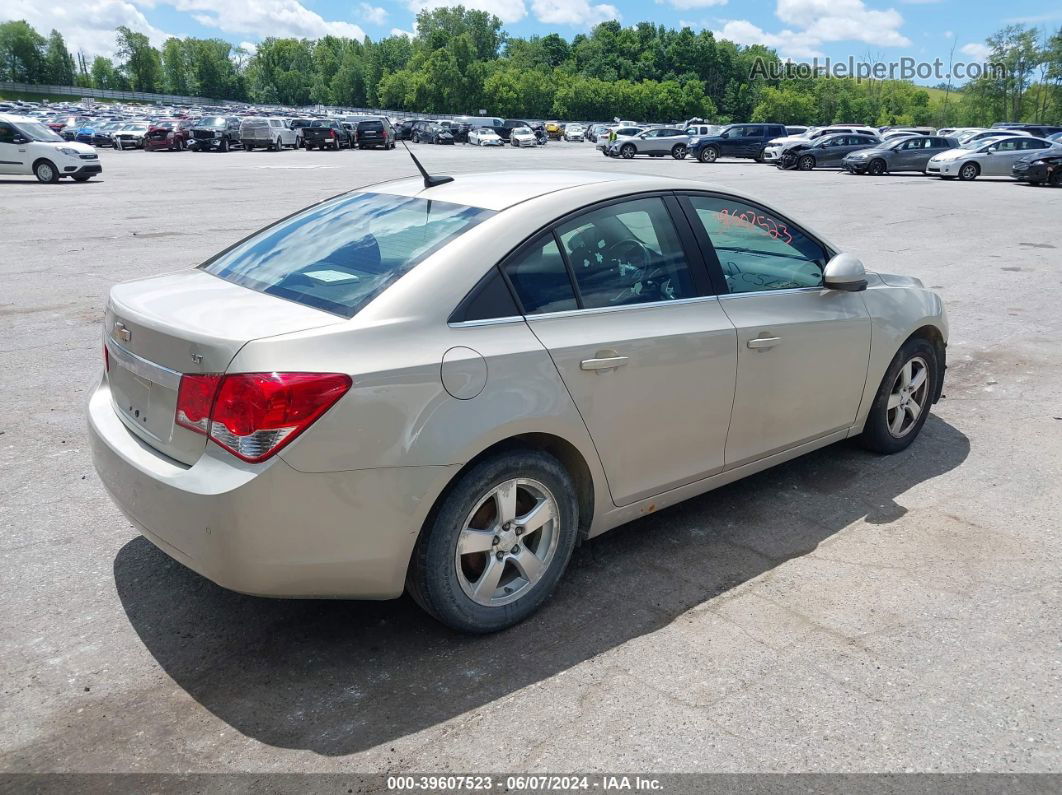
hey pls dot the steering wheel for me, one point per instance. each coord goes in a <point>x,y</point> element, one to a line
<point>631,255</point>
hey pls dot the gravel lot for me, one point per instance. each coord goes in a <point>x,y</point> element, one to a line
<point>843,612</point>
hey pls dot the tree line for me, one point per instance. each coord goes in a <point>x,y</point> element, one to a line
<point>461,61</point>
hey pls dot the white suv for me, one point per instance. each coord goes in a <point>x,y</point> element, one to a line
<point>28,147</point>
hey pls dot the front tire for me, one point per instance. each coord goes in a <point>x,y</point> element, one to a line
<point>46,172</point>
<point>876,168</point>
<point>709,154</point>
<point>627,152</point>
<point>806,163</point>
<point>679,152</point>
<point>904,398</point>
<point>1056,179</point>
<point>969,172</point>
<point>498,543</point>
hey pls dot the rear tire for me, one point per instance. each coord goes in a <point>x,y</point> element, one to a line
<point>509,486</point>
<point>46,172</point>
<point>1056,179</point>
<point>890,426</point>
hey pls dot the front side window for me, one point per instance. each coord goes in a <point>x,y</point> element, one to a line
<point>758,251</point>
<point>7,133</point>
<point>341,254</point>
<point>627,253</point>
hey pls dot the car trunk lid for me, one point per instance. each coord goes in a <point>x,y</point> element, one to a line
<point>157,329</point>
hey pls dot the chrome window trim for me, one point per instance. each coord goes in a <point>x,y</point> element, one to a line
<point>144,368</point>
<point>597,310</point>
<point>490,321</point>
<point>749,293</point>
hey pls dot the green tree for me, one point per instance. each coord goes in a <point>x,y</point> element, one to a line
<point>58,62</point>
<point>141,62</point>
<point>21,52</point>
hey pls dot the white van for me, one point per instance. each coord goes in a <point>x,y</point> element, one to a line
<point>29,147</point>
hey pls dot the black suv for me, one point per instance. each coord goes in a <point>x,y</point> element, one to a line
<point>736,140</point>
<point>215,132</point>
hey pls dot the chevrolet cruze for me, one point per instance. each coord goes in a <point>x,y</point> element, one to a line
<point>442,386</point>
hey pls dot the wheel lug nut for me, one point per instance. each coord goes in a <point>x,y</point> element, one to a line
<point>516,549</point>
<point>519,531</point>
<point>499,554</point>
<point>496,541</point>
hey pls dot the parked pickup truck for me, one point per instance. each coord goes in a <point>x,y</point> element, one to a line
<point>325,134</point>
<point>267,133</point>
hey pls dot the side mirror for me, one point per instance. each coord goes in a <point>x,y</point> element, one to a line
<point>845,272</point>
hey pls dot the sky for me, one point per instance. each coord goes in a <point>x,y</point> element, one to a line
<point>879,30</point>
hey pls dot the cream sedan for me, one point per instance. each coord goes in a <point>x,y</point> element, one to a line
<point>442,386</point>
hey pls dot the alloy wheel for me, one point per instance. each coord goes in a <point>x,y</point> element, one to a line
<point>908,398</point>
<point>508,542</point>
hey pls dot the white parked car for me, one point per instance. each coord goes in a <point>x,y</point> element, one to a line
<point>574,132</point>
<point>522,136</point>
<point>131,136</point>
<point>29,147</point>
<point>993,157</point>
<point>484,136</point>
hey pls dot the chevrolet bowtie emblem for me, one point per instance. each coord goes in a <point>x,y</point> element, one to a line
<point>121,332</point>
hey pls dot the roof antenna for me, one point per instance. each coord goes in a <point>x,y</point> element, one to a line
<point>429,180</point>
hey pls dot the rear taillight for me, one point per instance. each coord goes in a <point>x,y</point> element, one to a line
<point>253,415</point>
<point>195,398</point>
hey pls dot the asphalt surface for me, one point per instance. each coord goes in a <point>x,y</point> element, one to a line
<point>843,612</point>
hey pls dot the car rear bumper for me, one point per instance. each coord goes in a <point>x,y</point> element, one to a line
<point>267,529</point>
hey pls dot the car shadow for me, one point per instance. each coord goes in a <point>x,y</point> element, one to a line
<point>337,677</point>
<point>29,180</point>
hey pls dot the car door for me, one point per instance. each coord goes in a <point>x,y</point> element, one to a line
<point>13,155</point>
<point>802,349</point>
<point>997,162</point>
<point>619,296</point>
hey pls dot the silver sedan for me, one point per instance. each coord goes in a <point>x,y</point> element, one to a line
<point>443,385</point>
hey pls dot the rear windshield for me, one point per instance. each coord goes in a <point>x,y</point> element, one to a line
<point>370,125</point>
<point>340,255</point>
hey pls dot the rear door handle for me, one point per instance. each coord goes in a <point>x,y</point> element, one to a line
<point>761,343</point>
<point>606,363</point>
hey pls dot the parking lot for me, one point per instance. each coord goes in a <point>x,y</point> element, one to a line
<point>842,612</point>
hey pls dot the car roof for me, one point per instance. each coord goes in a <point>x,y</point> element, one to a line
<point>501,190</point>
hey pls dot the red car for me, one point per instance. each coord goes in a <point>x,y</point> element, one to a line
<point>170,134</point>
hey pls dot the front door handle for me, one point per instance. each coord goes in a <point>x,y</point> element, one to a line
<point>606,363</point>
<point>762,343</point>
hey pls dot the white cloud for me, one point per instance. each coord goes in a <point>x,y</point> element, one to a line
<point>249,47</point>
<point>812,23</point>
<point>686,5</point>
<point>981,52</point>
<point>844,20</point>
<point>579,13</point>
<point>506,10</point>
<point>409,34</point>
<point>87,26</point>
<point>373,14</point>
<point>790,43</point>
<point>264,18</point>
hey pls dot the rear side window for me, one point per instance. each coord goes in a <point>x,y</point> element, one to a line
<point>627,253</point>
<point>540,278</point>
<point>341,254</point>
